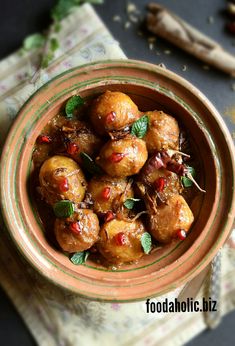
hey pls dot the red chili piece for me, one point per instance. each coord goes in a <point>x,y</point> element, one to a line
<point>44,139</point>
<point>120,239</point>
<point>181,234</point>
<point>75,228</point>
<point>72,148</point>
<point>176,167</point>
<point>106,193</point>
<point>109,216</point>
<point>116,157</point>
<point>63,184</point>
<point>231,27</point>
<point>110,117</point>
<point>160,184</point>
<point>155,162</point>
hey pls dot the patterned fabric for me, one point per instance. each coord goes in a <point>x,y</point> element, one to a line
<point>54,316</point>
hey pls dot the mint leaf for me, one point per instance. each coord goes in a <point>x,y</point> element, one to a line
<point>80,257</point>
<point>90,165</point>
<point>47,59</point>
<point>63,209</point>
<point>33,41</point>
<point>140,127</point>
<point>94,2</point>
<point>54,44</point>
<point>72,104</point>
<point>146,242</point>
<point>186,181</point>
<point>57,26</point>
<point>63,8</point>
<point>130,202</point>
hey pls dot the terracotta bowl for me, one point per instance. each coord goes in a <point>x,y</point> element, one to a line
<point>151,87</point>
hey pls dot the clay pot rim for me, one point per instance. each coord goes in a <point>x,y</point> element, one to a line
<point>169,75</point>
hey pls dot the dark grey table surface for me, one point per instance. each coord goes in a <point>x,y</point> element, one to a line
<point>21,18</point>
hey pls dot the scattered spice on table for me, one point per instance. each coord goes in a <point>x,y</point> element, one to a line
<point>230,113</point>
<point>117,18</point>
<point>210,20</point>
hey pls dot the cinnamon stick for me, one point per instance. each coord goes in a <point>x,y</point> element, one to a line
<point>167,25</point>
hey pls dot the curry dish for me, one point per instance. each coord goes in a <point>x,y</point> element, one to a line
<point>111,180</point>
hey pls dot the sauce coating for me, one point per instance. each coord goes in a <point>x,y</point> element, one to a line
<point>120,186</point>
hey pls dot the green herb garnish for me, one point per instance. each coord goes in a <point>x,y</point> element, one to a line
<point>33,41</point>
<point>185,180</point>
<point>80,257</point>
<point>90,165</point>
<point>54,44</point>
<point>146,242</point>
<point>130,202</point>
<point>47,59</point>
<point>72,104</point>
<point>65,7</point>
<point>140,127</point>
<point>63,209</point>
<point>48,42</point>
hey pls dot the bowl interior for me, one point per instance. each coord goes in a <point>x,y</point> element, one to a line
<point>146,100</point>
<point>167,266</point>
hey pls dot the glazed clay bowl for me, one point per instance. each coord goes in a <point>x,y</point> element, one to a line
<point>151,87</point>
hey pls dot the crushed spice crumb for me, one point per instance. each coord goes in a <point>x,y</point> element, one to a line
<point>167,51</point>
<point>152,39</point>
<point>131,7</point>
<point>210,20</point>
<point>231,8</point>
<point>117,18</point>
<point>127,25</point>
<point>162,65</point>
<point>133,18</point>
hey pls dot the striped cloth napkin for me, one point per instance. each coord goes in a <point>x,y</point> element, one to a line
<point>54,316</point>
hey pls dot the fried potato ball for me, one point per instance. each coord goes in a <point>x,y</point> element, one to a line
<point>123,157</point>
<point>112,111</point>
<point>163,132</point>
<point>78,137</point>
<point>44,148</point>
<point>109,193</point>
<point>120,241</point>
<point>169,218</point>
<point>61,178</point>
<point>78,232</point>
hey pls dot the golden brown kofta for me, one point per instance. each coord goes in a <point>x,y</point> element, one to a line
<point>112,111</point>
<point>123,157</point>
<point>60,178</point>
<point>78,232</point>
